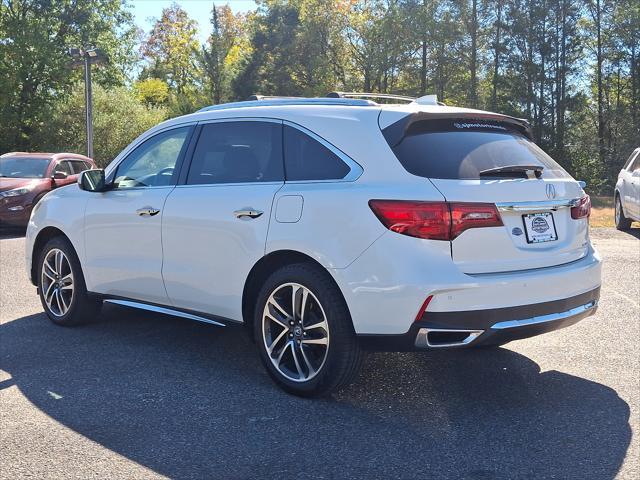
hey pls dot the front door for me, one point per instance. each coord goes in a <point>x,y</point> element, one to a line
<point>123,225</point>
<point>214,227</point>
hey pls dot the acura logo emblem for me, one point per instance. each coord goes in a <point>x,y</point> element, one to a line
<point>551,191</point>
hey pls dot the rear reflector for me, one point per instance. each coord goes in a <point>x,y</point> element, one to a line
<point>434,220</point>
<point>423,308</point>
<point>582,209</point>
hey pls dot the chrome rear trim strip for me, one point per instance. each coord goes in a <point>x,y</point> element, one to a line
<point>537,206</point>
<point>164,310</point>
<point>552,317</point>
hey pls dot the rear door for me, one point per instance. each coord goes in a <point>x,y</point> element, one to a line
<point>66,167</point>
<point>214,225</point>
<point>463,158</point>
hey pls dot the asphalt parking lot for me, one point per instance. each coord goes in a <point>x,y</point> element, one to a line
<point>136,395</point>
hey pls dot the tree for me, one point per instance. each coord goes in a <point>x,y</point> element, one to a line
<point>221,55</point>
<point>112,133</point>
<point>296,49</point>
<point>152,91</point>
<point>35,36</point>
<point>170,49</point>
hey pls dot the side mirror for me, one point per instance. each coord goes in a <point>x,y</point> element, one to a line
<point>92,181</point>
<point>59,176</point>
<point>582,184</point>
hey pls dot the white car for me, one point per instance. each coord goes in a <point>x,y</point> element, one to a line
<point>627,193</point>
<point>326,226</point>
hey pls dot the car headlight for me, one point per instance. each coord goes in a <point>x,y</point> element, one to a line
<point>16,192</point>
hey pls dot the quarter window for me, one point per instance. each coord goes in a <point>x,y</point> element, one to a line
<point>307,159</point>
<point>153,163</point>
<point>237,152</point>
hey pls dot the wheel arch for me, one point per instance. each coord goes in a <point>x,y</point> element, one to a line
<point>618,197</point>
<point>263,269</point>
<point>41,240</point>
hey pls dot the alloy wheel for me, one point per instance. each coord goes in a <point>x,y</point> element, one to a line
<point>57,282</point>
<point>295,332</point>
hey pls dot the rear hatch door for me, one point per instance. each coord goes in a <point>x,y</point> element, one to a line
<point>492,161</point>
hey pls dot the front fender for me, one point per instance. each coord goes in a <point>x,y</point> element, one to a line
<point>61,209</point>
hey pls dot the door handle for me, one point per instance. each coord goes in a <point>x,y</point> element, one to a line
<point>248,212</point>
<point>147,211</point>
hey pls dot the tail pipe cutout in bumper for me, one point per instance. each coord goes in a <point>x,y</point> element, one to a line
<point>504,331</point>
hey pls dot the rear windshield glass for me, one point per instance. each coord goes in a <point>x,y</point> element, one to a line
<point>462,149</point>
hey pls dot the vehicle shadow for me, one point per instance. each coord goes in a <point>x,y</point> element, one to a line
<point>7,233</point>
<point>633,231</point>
<point>189,400</point>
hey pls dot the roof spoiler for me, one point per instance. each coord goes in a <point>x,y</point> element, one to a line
<point>395,132</point>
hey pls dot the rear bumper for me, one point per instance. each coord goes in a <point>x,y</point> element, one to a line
<point>387,285</point>
<point>486,327</point>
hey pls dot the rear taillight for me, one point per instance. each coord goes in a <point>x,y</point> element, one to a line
<point>473,215</point>
<point>434,220</point>
<point>417,219</point>
<point>582,209</point>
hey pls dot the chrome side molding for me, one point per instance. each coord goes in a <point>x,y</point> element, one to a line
<point>163,310</point>
<point>552,317</point>
<point>537,206</point>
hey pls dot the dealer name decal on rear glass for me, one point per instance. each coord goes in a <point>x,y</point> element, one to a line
<point>478,125</point>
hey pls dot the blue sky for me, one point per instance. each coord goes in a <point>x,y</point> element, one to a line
<point>199,10</point>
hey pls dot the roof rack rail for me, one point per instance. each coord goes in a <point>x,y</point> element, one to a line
<point>424,100</point>
<point>256,96</point>
<point>369,95</point>
<point>280,101</point>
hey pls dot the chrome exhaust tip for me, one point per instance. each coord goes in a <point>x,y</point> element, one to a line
<point>445,338</point>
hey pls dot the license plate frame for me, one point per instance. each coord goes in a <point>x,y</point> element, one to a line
<point>535,230</point>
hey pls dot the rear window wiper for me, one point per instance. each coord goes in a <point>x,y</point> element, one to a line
<point>512,169</point>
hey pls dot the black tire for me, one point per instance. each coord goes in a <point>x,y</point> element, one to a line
<point>82,308</point>
<point>622,222</point>
<point>343,354</point>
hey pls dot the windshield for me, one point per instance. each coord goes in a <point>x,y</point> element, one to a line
<point>23,167</point>
<point>457,150</point>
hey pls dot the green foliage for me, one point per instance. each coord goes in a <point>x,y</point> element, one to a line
<point>570,67</point>
<point>151,91</point>
<point>170,48</point>
<point>34,66</point>
<point>119,117</point>
<point>220,56</point>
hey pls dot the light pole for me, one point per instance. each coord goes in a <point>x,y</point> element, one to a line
<point>85,57</point>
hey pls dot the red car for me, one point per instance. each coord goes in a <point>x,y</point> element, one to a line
<point>26,177</point>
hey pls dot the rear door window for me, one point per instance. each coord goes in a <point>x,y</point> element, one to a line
<point>78,166</point>
<point>307,159</point>
<point>237,152</point>
<point>462,149</point>
<point>63,166</point>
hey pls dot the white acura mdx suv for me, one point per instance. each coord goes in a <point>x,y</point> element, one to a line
<point>326,226</point>
<point>627,193</point>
